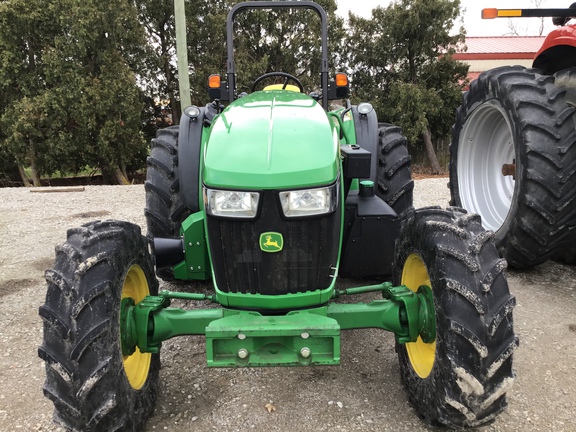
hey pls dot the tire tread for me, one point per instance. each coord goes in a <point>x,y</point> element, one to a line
<point>475,343</point>
<point>165,210</point>
<point>394,182</point>
<point>81,348</point>
<point>543,129</point>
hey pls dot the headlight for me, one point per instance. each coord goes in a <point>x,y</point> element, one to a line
<point>309,202</point>
<point>233,204</point>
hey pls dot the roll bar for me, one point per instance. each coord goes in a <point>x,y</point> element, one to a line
<point>231,65</point>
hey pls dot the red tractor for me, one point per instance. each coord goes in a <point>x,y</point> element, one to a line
<point>513,152</point>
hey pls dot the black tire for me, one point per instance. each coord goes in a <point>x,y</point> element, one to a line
<point>165,210</point>
<point>515,116</point>
<point>566,80</point>
<point>85,371</point>
<point>465,373</point>
<point>567,253</point>
<point>394,180</point>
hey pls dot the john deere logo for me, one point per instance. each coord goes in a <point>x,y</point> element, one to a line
<point>271,242</point>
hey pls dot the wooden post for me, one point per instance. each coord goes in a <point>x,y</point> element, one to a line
<point>182,53</point>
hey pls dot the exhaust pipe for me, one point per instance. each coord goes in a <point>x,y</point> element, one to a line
<point>168,252</point>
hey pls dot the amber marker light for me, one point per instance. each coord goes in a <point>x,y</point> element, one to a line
<point>509,12</point>
<point>214,81</point>
<point>500,13</point>
<point>341,80</point>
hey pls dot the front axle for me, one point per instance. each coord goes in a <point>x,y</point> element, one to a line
<point>252,338</point>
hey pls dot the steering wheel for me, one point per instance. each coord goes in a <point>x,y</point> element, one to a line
<point>278,74</point>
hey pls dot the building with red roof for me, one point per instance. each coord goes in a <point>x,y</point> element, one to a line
<point>486,53</point>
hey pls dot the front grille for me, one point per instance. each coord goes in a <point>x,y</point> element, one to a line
<point>305,263</point>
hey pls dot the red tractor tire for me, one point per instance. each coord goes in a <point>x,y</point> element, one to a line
<point>566,80</point>
<point>512,160</point>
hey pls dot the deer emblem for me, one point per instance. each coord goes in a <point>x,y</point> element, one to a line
<point>271,242</point>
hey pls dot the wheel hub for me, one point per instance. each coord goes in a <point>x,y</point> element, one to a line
<point>136,363</point>
<point>426,314</point>
<point>487,165</point>
<point>421,353</point>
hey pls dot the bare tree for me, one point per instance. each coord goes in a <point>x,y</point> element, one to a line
<point>513,24</point>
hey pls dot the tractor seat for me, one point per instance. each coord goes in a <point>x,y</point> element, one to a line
<point>289,87</point>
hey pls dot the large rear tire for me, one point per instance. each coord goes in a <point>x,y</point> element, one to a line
<point>394,180</point>
<point>94,387</point>
<point>516,119</point>
<point>566,80</point>
<point>165,210</point>
<point>460,379</point>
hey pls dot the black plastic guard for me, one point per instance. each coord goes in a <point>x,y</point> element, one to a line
<point>189,145</point>
<point>371,229</point>
<point>366,126</point>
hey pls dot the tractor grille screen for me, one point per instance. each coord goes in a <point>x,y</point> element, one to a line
<point>309,251</point>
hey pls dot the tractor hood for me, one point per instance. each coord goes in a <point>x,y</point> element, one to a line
<point>271,140</point>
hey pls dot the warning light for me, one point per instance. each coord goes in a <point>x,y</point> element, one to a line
<point>501,13</point>
<point>341,80</point>
<point>214,81</point>
<point>489,13</point>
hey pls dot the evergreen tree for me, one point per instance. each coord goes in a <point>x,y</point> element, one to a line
<point>160,77</point>
<point>26,29</point>
<point>74,75</point>
<point>405,66</point>
<point>98,50</point>
<point>70,94</point>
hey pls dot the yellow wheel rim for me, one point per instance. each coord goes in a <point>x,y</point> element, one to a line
<point>421,354</point>
<point>137,365</point>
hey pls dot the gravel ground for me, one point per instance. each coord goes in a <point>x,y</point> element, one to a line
<point>362,394</point>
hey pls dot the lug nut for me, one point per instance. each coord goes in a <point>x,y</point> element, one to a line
<point>243,353</point>
<point>305,352</point>
<point>509,169</point>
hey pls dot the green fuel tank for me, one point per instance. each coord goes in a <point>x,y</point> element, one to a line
<point>272,139</point>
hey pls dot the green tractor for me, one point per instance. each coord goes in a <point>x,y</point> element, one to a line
<point>272,198</point>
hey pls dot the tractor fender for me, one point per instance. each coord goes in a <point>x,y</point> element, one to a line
<point>189,145</point>
<point>558,51</point>
<point>366,126</point>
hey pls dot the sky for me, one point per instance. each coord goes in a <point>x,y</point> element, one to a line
<point>473,23</point>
